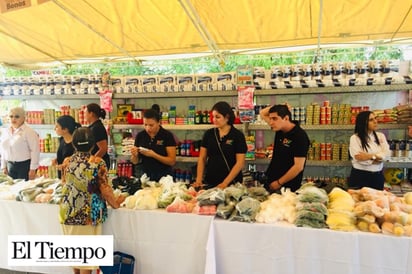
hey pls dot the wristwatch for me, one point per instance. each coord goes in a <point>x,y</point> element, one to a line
<point>373,157</point>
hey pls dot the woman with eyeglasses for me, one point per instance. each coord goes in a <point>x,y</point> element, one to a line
<point>20,150</point>
<point>368,149</point>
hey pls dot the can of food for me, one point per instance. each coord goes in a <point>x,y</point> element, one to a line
<point>402,148</point>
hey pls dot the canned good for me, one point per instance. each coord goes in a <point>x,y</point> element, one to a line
<point>401,152</point>
<point>392,147</point>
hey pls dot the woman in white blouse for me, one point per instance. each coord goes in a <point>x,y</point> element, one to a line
<point>368,149</point>
<point>20,149</point>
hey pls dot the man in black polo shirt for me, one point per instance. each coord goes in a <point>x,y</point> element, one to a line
<point>291,146</point>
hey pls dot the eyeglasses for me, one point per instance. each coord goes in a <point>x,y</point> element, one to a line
<point>15,116</point>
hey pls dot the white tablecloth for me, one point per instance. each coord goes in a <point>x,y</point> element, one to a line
<point>164,242</point>
<point>161,242</point>
<point>243,248</point>
<point>171,243</point>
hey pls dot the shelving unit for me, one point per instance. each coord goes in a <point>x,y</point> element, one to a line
<point>334,90</point>
<point>221,95</point>
<point>51,97</point>
<point>372,89</point>
<point>268,92</point>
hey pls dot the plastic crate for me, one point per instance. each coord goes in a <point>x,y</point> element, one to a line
<point>122,264</point>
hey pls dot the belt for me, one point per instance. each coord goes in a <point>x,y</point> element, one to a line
<point>368,171</point>
<point>18,162</point>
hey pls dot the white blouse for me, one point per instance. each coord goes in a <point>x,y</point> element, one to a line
<point>382,150</point>
<point>20,145</point>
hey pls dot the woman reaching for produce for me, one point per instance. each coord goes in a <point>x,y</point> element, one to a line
<point>85,191</point>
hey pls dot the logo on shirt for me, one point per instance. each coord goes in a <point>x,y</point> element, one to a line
<point>229,142</point>
<point>286,142</point>
<point>159,142</point>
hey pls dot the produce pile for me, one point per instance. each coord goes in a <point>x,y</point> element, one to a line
<point>40,190</point>
<point>366,209</point>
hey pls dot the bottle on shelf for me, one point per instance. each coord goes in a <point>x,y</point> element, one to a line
<point>198,117</point>
<point>172,115</point>
<point>191,115</point>
<point>205,117</point>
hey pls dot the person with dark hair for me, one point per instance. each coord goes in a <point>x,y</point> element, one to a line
<point>65,126</point>
<point>93,114</point>
<point>154,147</point>
<point>222,151</point>
<point>85,191</point>
<point>156,107</point>
<point>368,149</point>
<point>20,150</point>
<point>291,145</point>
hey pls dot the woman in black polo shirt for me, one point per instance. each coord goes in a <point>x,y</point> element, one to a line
<point>94,115</point>
<point>154,147</point>
<point>222,152</point>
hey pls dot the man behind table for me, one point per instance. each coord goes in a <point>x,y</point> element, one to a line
<point>291,146</point>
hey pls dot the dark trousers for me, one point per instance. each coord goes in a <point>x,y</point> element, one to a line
<point>19,170</point>
<point>361,178</point>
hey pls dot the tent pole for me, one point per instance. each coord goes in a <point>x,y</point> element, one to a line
<point>316,59</point>
<point>201,28</point>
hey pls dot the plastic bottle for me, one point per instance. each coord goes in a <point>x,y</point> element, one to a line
<point>198,117</point>
<point>191,115</point>
<point>188,178</point>
<point>205,117</point>
<point>172,115</point>
<point>183,148</point>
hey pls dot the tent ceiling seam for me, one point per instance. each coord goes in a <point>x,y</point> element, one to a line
<point>200,27</point>
<point>401,24</point>
<point>73,15</point>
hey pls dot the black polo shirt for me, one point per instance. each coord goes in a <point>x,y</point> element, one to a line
<point>65,150</point>
<point>287,146</point>
<point>100,134</point>
<point>152,167</point>
<point>233,143</point>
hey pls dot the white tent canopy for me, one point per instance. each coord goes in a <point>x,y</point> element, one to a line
<point>67,31</point>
